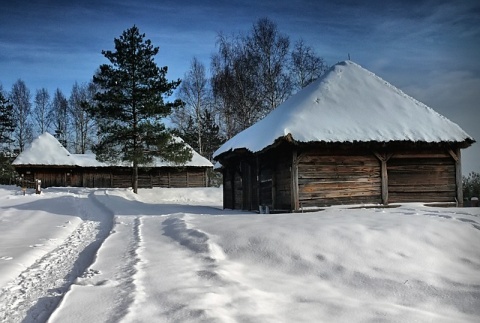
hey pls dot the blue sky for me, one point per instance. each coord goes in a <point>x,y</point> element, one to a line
<point>429,49</point>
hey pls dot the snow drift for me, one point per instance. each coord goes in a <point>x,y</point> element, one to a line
<point>87,255</point>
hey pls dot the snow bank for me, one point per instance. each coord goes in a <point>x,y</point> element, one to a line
<point>172,257</point>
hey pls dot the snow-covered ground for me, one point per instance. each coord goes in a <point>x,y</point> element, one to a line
<point>173,255</point>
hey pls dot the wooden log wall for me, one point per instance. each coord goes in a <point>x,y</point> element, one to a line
<point>274,180</point>
<point>266,185</point>
<point>228,189</point>
<point>172,177</point>
<point>122,177</point>
<point>237,191</point>
<point>49,177</point>
<point>322,176</point>
<point>338,179</point>
<point>421,177</point>
<point>247,185</point>
<point>238,186</point>
<point>117,177</point>
<point>92,177</point>
<point>283,183</point>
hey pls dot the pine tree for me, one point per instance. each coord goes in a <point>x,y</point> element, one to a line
<point>7,126</point>
<point>130,106</point>
<point>211,139</point>
<point>7,123</point>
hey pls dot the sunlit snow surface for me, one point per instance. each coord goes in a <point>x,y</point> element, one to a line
<point>173,255</point>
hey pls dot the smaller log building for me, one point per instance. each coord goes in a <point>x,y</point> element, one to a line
<point>348,138</point>
<point>47,160</point>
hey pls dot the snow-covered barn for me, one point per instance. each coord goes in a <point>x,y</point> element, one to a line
<point>349,137</point>
<point>46,159</point>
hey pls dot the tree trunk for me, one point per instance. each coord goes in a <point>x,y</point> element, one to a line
<point>135,177</point>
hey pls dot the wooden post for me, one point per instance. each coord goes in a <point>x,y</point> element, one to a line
<point>458,175</point>
<point>259,202</point>
<point>205,176</point>
<point>384,175</point>
<point>274,187</point>
<point>38,186</point>
<point>24,185</point>
<point>224,181</point>
<point>294,191</point>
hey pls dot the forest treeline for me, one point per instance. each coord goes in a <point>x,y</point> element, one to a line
<point>250,74</point>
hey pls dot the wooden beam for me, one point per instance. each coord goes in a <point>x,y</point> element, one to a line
<point>205,175</point>
<point>224,181</point>
<point>294,189</point>
<point>458,175</point>
<point>274,186</point>
<point>455,156</point>
<point>384,174</point>
<point>257,173</point>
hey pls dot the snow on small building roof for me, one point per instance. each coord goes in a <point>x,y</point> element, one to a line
<point>47,150</point>
<point>348,104</point>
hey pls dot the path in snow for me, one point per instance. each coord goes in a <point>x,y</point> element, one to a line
<point>122,279</point>
<point>191,263</point>
<point>35,293</point>
<point>173,263</point>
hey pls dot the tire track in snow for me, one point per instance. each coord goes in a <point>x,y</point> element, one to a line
<point>36,292</point>
<point>223,292</point>
<point>133,266</point>
<point>121,276</point>
<point>127,275</point>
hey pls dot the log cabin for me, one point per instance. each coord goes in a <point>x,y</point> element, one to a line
<point>47,160</point>
<point>349,137</point>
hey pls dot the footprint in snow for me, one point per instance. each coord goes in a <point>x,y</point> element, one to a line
<point>439,215</point>
<point>6,258</point>
<point>467,220</point>
<point>90,273</point>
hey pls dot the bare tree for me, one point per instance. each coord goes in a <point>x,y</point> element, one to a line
<point>193,91</point>
<point>59,117</point>
<point>254,73</point>
<point>81,98</point>
<point>269,49</point>
<point>42,110</point>
<point>20,99</point>
<point>235,85</point>
<point>306,65</point>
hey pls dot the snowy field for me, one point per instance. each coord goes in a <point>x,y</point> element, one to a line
<point>172,255</point>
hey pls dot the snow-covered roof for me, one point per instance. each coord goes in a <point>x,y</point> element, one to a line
<point>47,150</point>
<point>348,104</point>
